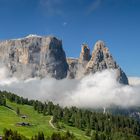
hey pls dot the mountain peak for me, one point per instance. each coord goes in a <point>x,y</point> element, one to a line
<point>32,35</point>
<point>99,45</point>
<point>85,53</point>
<point>102,59</point>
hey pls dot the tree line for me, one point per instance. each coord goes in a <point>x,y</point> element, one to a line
<point>14,135</point>
<point>2,100</point>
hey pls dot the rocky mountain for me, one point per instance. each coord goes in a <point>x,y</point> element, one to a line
<point>36,56</point>
<point>102,59</point>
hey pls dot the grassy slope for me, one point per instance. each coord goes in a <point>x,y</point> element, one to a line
<point>8,119</point>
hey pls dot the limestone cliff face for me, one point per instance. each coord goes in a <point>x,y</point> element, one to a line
<point>34,56</point>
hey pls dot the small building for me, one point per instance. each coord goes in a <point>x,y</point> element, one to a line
<point>23,124</point>
<point>23,116</point>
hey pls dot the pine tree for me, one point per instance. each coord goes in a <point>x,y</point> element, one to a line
<point>18,111</point>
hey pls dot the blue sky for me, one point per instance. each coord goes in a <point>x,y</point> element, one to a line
<point>117,22</point>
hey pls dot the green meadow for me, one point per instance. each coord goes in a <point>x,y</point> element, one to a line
<point>38,122</point>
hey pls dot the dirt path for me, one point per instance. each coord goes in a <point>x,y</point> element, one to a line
<point>52,125</point>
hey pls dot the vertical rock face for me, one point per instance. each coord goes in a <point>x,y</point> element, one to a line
<point>53,58</point>
<point>34,56</point>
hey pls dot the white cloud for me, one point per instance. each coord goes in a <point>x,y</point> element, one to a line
<point>65,24</point>
<point>102,90</point>
<point>93,6</point>
<point>98,90</point>
<point>52,7</point>
<point>134,80</point>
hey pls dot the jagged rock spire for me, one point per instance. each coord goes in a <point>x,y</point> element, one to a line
<point>101,59</point>
<point>85,53</point>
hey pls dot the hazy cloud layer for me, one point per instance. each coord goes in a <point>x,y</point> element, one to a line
<point>94,5</point>
<point>98,90</point>
<point>134,81</point>
<point>52,7</point>
<point>62,7</point>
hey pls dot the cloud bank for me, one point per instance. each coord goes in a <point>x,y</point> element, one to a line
<point>98,90</point>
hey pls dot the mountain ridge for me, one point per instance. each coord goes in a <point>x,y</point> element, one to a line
<point>37,56</point>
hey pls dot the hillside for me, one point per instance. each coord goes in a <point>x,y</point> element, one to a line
<point>39,122</point>
<point>29,117</point>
